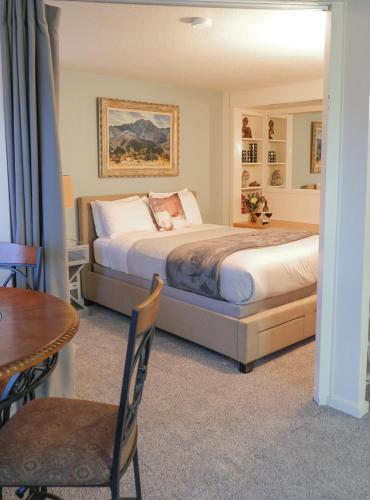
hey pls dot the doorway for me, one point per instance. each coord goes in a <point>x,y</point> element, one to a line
<point>328,357</point>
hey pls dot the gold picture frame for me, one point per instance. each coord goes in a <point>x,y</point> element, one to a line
<point>137,139</point>
<point>316,147</point>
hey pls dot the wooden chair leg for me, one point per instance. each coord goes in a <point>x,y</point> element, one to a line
<point>135,461</point>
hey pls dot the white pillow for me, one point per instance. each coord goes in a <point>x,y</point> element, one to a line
<point>97,216</point>
<point>120,218</point>
<point>189,204</point>
<point>191,207</point>
<point>166,195</point>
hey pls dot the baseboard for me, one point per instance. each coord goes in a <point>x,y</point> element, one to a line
<point>357,410</point>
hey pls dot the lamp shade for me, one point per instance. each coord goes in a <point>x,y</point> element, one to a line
<point>67,191</point>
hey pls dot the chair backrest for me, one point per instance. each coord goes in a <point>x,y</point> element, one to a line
<point>142,327</point>
<point>17,259</point>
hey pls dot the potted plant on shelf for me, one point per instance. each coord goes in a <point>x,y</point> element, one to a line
<point>253,201</point>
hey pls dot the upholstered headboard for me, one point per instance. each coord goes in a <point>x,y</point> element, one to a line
<point>86,228</point>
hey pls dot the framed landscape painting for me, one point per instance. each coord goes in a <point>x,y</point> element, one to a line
<point>137,139</point>
<point>316,144</point>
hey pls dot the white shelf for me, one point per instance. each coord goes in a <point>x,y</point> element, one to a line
<point>261,169</point>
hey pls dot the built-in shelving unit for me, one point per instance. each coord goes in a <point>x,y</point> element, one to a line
<point>257,139</point>
<point>277,143</point>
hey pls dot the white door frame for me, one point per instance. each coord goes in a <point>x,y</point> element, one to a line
<point>332,118</point>
<point>228,4</point>
<point>330,197</point>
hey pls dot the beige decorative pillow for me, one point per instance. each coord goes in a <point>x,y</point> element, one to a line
<point>168,212</point>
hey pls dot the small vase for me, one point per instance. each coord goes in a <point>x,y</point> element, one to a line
<point>252,217</point>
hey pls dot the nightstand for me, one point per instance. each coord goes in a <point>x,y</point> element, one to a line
<point>280,224</point>
<point>78,257</point>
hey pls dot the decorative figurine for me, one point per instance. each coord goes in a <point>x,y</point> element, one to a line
<point>271,129</point>
<point>276,179</point>
<point>246,131</point>
<point>245,177</point>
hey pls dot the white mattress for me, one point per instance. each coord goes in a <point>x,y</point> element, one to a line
<point>245,276</point>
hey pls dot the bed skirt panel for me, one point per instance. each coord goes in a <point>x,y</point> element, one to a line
<point>207,328</point>
<point>218,306</point>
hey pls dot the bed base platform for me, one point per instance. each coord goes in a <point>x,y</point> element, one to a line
<point>242,339</point>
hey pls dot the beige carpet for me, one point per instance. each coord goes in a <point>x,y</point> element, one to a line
<point>210,432</point>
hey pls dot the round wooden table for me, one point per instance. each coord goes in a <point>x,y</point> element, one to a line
<point>33,327</point>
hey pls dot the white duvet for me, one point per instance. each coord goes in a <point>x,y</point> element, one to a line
<point>245,276</point>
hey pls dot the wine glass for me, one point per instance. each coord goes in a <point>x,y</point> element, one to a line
<point>266,216</point>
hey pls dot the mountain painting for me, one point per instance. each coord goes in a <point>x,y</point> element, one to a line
<point>137,139</point>
<point>316,143</point>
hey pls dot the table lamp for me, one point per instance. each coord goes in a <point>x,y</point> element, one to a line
<point>68,199</point>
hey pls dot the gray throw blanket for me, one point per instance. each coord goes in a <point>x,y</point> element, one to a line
<point>195,266</point>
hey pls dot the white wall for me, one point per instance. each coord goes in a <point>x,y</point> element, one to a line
<point>297,205</point>
<point>200,138</point>
<point>301,149</point>
<point>344,286</point>
<point>285,94</point>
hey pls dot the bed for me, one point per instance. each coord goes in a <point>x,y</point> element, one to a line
<point>255,317</point>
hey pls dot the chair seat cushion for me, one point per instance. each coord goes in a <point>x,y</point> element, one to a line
<point>61,442</point>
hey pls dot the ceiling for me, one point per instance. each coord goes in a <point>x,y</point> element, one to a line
<point>242,50</point>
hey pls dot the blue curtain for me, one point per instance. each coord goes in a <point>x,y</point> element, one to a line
<point>29,50</point>
<point>30,62</point>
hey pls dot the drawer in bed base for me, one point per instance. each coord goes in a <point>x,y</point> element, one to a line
<point>270,331</point>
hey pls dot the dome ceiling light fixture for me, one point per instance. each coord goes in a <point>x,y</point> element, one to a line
<point>197,23</point>
<point>200,23</point>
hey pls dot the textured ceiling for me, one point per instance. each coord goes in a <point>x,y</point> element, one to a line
<point>244,49</point>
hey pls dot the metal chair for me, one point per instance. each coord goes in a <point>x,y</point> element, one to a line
<point>75,443</point>
<point>17,259</point>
